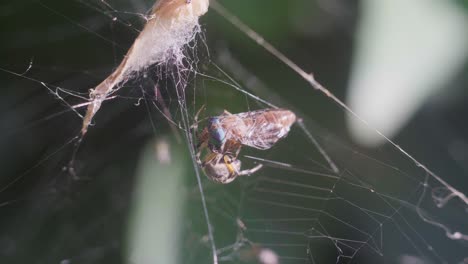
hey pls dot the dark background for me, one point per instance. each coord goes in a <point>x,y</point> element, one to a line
<point>54,211</point>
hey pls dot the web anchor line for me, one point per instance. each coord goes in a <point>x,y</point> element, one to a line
<point>180,85</point>
<point>236,22</point>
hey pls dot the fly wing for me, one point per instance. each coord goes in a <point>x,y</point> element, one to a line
<point>265,136</point>
<point>233,126</point>
<point>266,127</point>
<point>259,129</point>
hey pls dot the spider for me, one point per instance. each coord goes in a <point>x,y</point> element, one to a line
<point>224,168</point>
<point>225,134</point>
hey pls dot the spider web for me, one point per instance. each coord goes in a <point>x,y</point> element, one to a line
<point>318,199</point>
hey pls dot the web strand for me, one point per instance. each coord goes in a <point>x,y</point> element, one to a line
<point>316,85</point>
<point>305,198</point>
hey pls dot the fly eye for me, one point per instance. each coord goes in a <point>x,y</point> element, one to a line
<point>217,135</point>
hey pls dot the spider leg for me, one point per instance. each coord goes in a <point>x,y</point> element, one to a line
<point>208,158</point>
<point>202,140</point>
<point>232,147</point>
<point>226,112</point>
<point>202,108</point>
<point>250,171</point>
<point>195,118</point>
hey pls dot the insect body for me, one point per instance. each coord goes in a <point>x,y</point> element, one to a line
<point>224,136</point>
<point>259,129</point>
